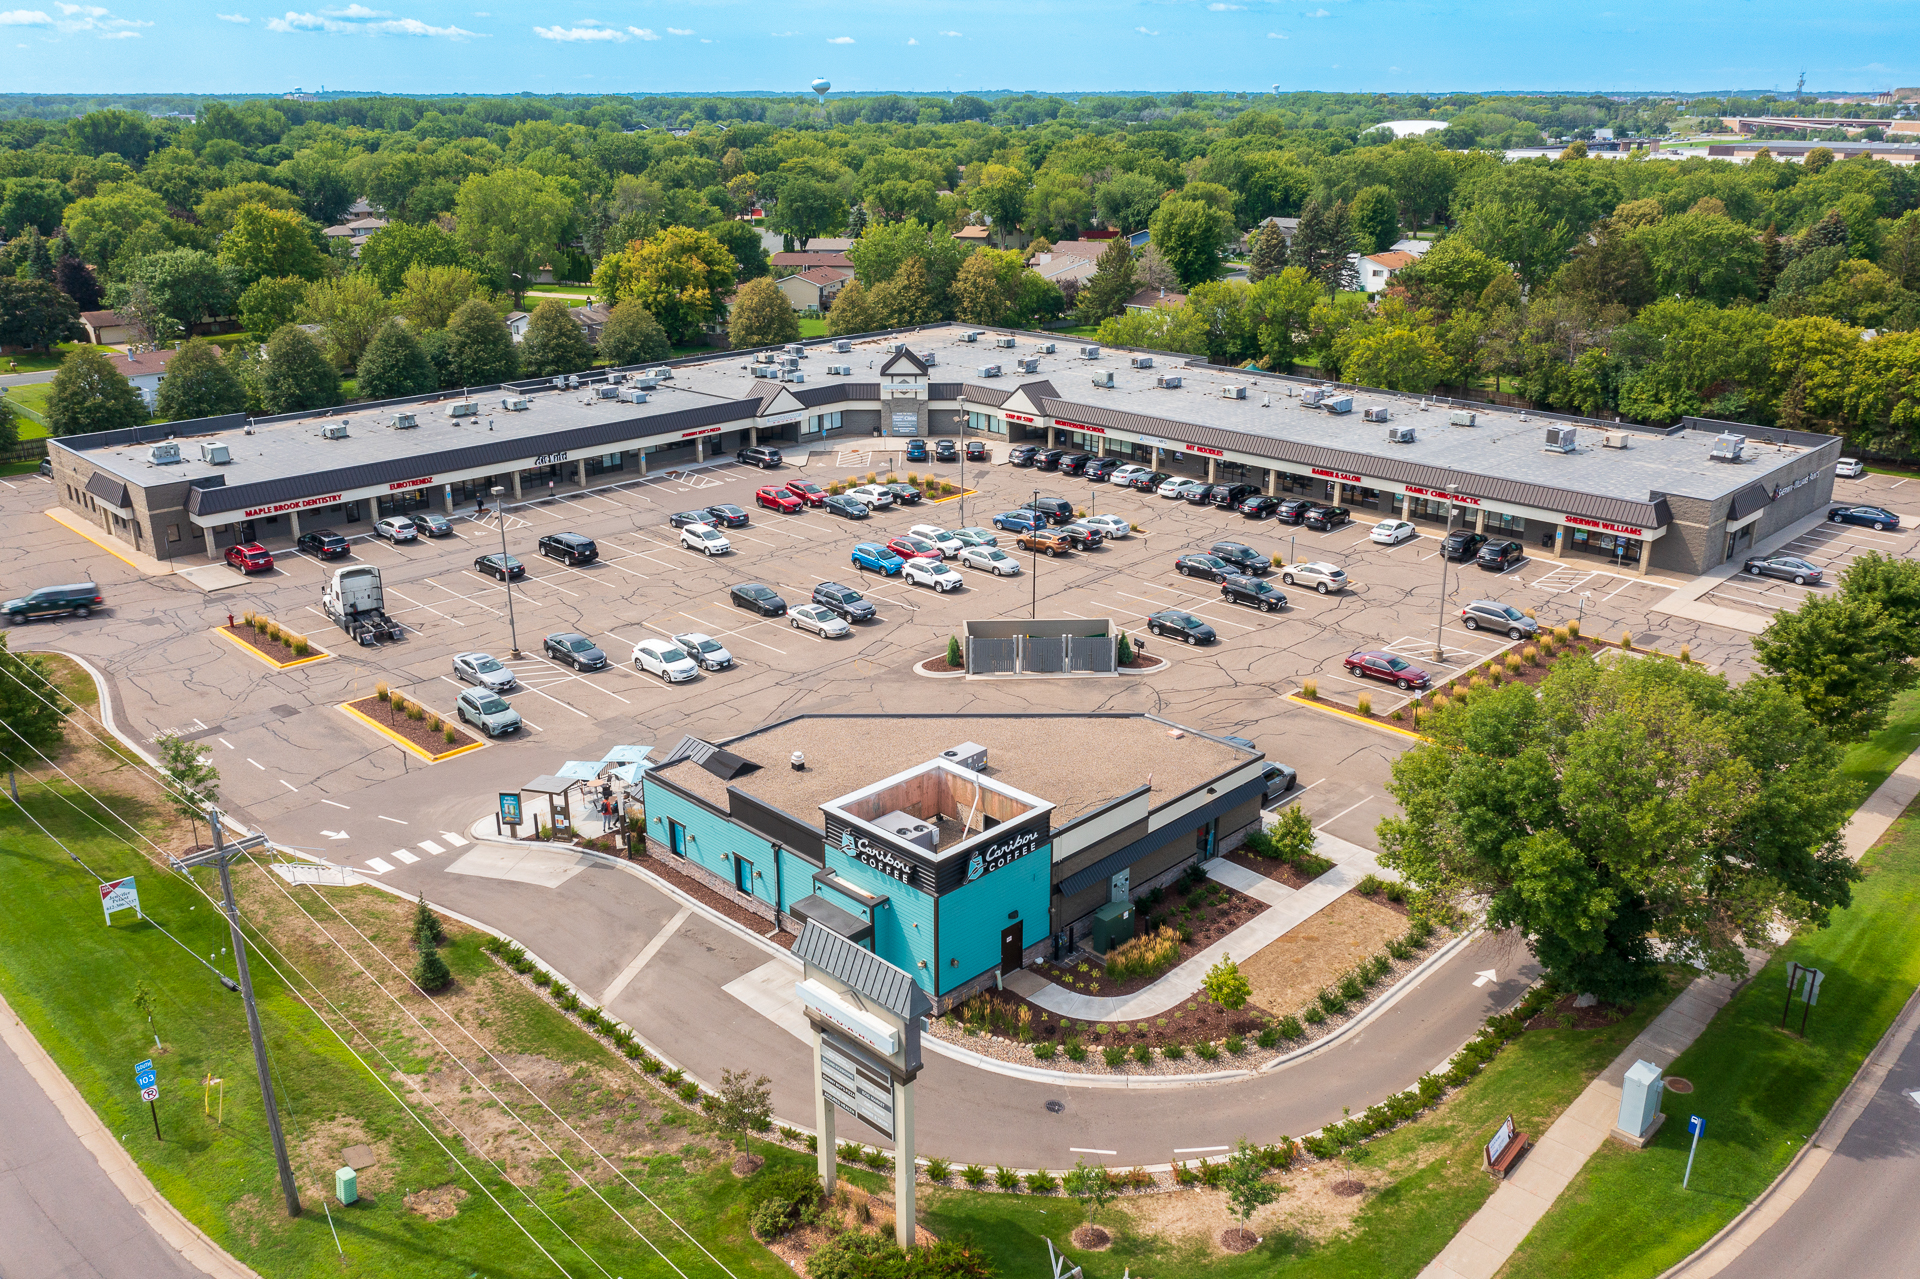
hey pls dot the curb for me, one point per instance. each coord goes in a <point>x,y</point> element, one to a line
<point>319,654</point>
<point>394,737</point>
<point>62,517</point>
<point>1299,700</point>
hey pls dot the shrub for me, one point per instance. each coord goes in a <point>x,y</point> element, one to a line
<point>876,1159</point>
<point>974,1175</point>
<point>1440,701</point>
<point>1378,967</point>
<point>1478,683</point>
<point>783,1199</point>
<point>1045,1049</point>
<point>1573,629</point>
<point>1513,663</point>
<point>947,488</point>
<point>687,1089</point>
<point>1686,654</point>
<point>1042,1182</point>
<point>1174,1051</point>
<point>1234,1045</point>
<point>301,646</point>
<point>955,658</point>
<point>1076,1051</point>
<point>1005,1177</point>
<point>1626,640</point>
<point>415,711</point>
<point>1225,985</point>
<point>1495,676</point>
<point>1289,1027</point>
<point>672,1077</point>
<point>1369,885</point>
<point>938,1170</point>
<point>1313,1015</point>
<point>1206,1051</point>
<point>1418,934</point>
<point>1331,1002</point>
<point>1351,987</point>
<point>1148,955</point>
<point>913,477</point>
<point>1310,689</point>
<point>541,977</point>
<point>1114,1055</point>
<point>435,723</point>
<point>1364,704</point>
<point>1142,1053</point>
<point>1399,949</point>
<point>451,736</point>
<point>1183,1175</point>
<point>1268,1036</point>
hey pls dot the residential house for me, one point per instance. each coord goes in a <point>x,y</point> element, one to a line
<point>792,263</point>
<point>146,371</point>
<point>1289,227</point>
<point>1069,260</point>
<point>1376,269</point>
<point>814,288</point>
<point>1147,299</point>
<point>974,235</point>
<point>591,318</point>
<point>108,328</point>
<point>517,323</point>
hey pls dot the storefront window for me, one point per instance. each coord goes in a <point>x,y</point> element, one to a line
<point>401,503</point>
<point>609,462</point>
<point>815,423</point>
<point>1510,525</point>
<point>986,422</point>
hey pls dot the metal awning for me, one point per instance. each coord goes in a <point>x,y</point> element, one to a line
<point>110,490</point>
<point>835,919</point>
<point>551,785</point>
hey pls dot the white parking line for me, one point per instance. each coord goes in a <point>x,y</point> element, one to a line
<point>710,627</point>
<point>348,807</point>
<point>257,764</point>
<point>224,742</point>
<point>289,785</point>
<point>1342,813</point>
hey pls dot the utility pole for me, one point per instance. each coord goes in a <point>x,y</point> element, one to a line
<point>220,855</point>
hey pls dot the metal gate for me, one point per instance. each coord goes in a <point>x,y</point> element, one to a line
<point>1043,654</point>
<point>1093,653</point>
<point>993,656</point>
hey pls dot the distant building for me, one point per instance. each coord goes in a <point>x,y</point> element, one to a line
<point>1377,269</point>
<point>146,371</point>
<point>107,328</point>
<point>1147,299</point>
<point>814,288</point>
<point>794,262</point>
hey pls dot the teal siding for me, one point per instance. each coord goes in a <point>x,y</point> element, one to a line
<point>903,927</point>
<point>972,917</point>
<point>796,877</point>
<point>710,838</point>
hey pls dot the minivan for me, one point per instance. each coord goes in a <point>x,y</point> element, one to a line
<point>79,599</point>
<point>759,455</point>
<point>1056,509</point>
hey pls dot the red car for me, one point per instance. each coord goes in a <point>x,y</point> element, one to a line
<point>915,548</point>
<point>778,499</point>
<point>811,494</point>
<point>250,557</point>
<point>1394,670</point>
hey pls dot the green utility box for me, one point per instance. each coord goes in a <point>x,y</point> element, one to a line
<point>1112,924</point>
<point>346,1185</point>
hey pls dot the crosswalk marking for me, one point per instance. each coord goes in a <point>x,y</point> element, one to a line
<point>432,847</point>
<point>378,865</point>
<point>453,839</point>
<point>405,857</point>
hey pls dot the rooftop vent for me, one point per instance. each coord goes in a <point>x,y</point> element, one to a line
<point>516,404</point>
<point>163,454</point>
<point>968,755</point>
<point>334,431</point>
<point>1400,435</point>
<point>1337,403</point>
<point>989,370</point>
<point>1233,392</point>
<point>633,395</point>
<point>405,421</point>
<point>1140,361</point>
<point>787,361</point>
<point>1562,439</point>
<point>909,828</point>
<point>1047,348</point>
<point>797,349</point>
<point>841,346</point>
<point>1616,440</point>
<point>1312,396</point>
<point>660,371</point>
<point>606,392</point>
<point>1375,413</point>
<point>211,452</point>
<point>1089,352</point>
<point>1005,344</point>
<point>1030,364</point>
<point>1460,417</point>
<point>840,370</point>
<point>971,335</point>
<point>764,370</point>
<point>1103,377</point>
<point>894,348</point>
<point>465,408</point>
<point>1728,447</point>
<point>1167,381</point>
<point>929,358</point>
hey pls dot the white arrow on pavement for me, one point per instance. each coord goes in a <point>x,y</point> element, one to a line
<point>334,834</point>
<point>1481,979</point>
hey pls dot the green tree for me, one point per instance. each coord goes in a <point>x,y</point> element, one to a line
<point>553,343</point>
<point>1090,1184</point>
<point>1396,359</point>
<point>1703,255</point>
<point>217,211</point>
<point>270,243</point>
<point>679,275</point>
<point>199,383</point>
<point>349,310</point>
<point>394,366</point>
<point>1376,219</point>
<point>980,295</point>
<point>298,376</point>
<point>30,706</point>
<point>325,193</point>
<point>480,346</point>
<point>1278,310</point>
<point>90,395</point>
<point>742,240</point>
<point>1449,277</point>
<point>427,927</point>
<point>853,311</point>
<point>397,250</point>
<point>431,294</point>
<point>1616,811</point>
<point>1244,1179</point>
<point>35,314</point>
<point>100,225</point>
<point>1190,235</point>
<point>1001,194</point>
<point>193,783</point>
<point>1126,201</point>
<point>1112,283</point>
<point>761,315</point>
<point>632,336</point>
<point>1157,328</point>
<point>1225,985</point>
<point>746,1105</point>
<point>430,972</point>
<point>1292,835</point>
<point>30,202</point>
<point>270,302</point>
<point>907,296</point>
<point>71,277</point>
<point>885,248</point>
<point>514,217</point>
<point>1269,253</point>
<point>188,285</point>
<point>1521,234</point>
<point>806,209</point>
<point>1844,657</point>
<point>1323,245</point>
<point>129,134</point>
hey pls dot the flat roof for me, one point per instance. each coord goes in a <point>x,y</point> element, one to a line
<point>846,753</point>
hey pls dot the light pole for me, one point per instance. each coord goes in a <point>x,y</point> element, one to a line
<point>963,471</point>
<point>1034,608</point>
<point>1440,622</point>
<point>506,572</point>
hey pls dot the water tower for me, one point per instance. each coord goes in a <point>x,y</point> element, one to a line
<point>821,87</point>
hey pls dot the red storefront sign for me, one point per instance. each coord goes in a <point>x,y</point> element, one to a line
<point>1019,417</point>
<point>705,430</point>
<point>1338,475</point>
<point>1203,450</point>
<point>397,485</point>
<point>1437,494</point>
<point>279,508</point>
<point>1072,426</point>
<point>1603,526</point>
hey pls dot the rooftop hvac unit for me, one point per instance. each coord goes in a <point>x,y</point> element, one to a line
<point>1005,344</point>
<point>797,349</point>
<point>905,826</point>
<point>606,392</point>
<point>764,371</point>
<point>1615,440</point>
<point>1312,396</point>
<point>1047,348</point>
<point>894,348</point>
<point>1462,417</point>
<point>1029,365</point>
<point>989,370</point>
<point>929,358</point>
<point>1728,447</point>
<point>1167,381</point>
<point>792,375</point>
<point>465,408</point>
<point>405,421</point>
<point>646,381</point>
<point>1399,435</point>
<point>163,454</point>
<point>660,371</point>
<point>516,404</point>
<point>1337,404</point>
<point>1233,392</point>
<point>1089,352</point>
<point>1103,377</point>
<point>1562,439</point>
<point>634,395</point>
<point>1140,362</point>
<point>971,335</point>
<point>787,361</point>
<point>841,346</point>
<point>968,755</point>
<point>210,452</point>
<point>334,431</point>
<point>839,370</point>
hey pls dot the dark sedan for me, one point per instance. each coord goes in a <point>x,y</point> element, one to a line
<point>1876,518</point>
<point>1258,508</point>
<point>1326,517</point>
<point>500,566</point>
<point>976,451</point>
<point>1462,544</point>
<point>325,544</point>
<point>763,600</point>
<point>1074,463</point>
<point>944,451</point>
<point>575,650</point>
<point>1788,567</point>
<point>727,515</point>
<point>1151,481</point>
<point>1181,626</point>
<point>1386,666</point>
<point>1292,510</point>
<point>1498,557</point>
<point>1199,495</point>
<point>906,494</point>
<point>1211,567</point>
<point>680,519</point>
<point>847,508</point>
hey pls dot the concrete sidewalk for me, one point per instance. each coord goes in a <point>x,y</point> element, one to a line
<point>1687,602</point>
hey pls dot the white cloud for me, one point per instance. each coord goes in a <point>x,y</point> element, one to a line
<point>1224,8</point>
<point>911,40</point>
<point>357,11</point>
<point>676,31</point>
<point>24,18</point>
<point>78,18</point>
<point>569,35</point>
<point>1143,31</point>
<point>841,40</point>
<point>241,18</point>
<point>642,33</point>
<point>950,33</point>
<point>1278,35</point>
<point>350,21</point>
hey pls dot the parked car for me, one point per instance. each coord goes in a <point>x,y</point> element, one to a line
<point>483,669</point>
<point>1393,532</point>
<point>45,469</point>
<point>1198,493</point>
<point>876,496</point>
<point>1176,486</point>
<point>876,558</point>
<point>680,519</point>
<point>811,494</point>
<point>1393,669</point>
<point>1243,558</point>
<point>1462,544</point>
<point>569,548</point>
<point>1110,526</point>
<point>1788,567</point>
<point>1849,468</point>
<point>1048,459</point>
<point>1876,518</point>
<point>1018,521</point>
<point>1327,517</point>
<point>916,450</point>
<point>575,649</point>
<point>759,455</point>
<point>1292,510</point>
<point>945,451</point>
<point>250,557</point>
<point>1074,463</point>
<point>666,659</point>
<point>976,451</point>
<point>487,711</point>
<point>1057,510</point>
<point>1498,557</point>
<point>1181,626</point>
<point>1277,779</point>
<point>1321,576</point>
<point>708,653</point>
<point>847,508</point>
<point>845,601</point>
<point>395,528</point>
<point>1044,540</point>
<point>1495,616</point>
<point>79,599</point>
<point>1256,592</point>
<point>1150,482</point>
<point>500,566</point>
<point>818,619</point>
<point>976,536</point>
<point>1210,567</point>
<point>1127,474</point>
<point>1022,455</point>
<point>938,574</point>
<point>727,515</point>
<point>905,494</point>
<point>1101,469</point>
<point>1081,535</point>
<point>705,538</point>
<point>945,542</point>
<point>763,600</point>
<point>1231,496</point>
<point>428,524</point>
<point>779,499</point>
<point>324,543</point>
<point>915,548</point>
<point>1259,506</point>
<point>992,559</point>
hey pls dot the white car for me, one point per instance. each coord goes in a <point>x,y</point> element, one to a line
<point>396,528</point>
<point>1177,487</point>
<point>819,620</point>
<point>708,653</point>
<point>992,559</point>
<point>665,659</point>
<point>875,496</point>
<point>1322,577</point>
<point>704,537</point>
<point>949,545</point>
<point>934,573</point>
<point>1849,468</point>
<point>1111,526</point>
<point>1393,532</point>
<point>483,669</point>
<point>1126,474</point>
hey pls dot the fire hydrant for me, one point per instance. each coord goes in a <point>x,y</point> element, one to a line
<point>229,621</point>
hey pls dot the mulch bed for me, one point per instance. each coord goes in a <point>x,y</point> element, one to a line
<point>1225,911</point>
<point>431,741</point>
<point>272,649</point>
<point>747,1165</point>
<point>1271,867</point>
<point>1091,1238</point>
<point>1195,1021</point>
<point>1397,907</point>
<point>1348,1189</point>
<point>1530,674</point>
<point>1592,1017</point>
<point>706,896</point>
<point>1239,1240</point>
<point>938,666</point>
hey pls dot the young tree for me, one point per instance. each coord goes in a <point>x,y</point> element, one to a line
<point>193,782</point>
<point>514,217</point>
<point>1190,235</point>
<point>1245,1181</point>
<point>31,707</point>
<point>1090,1184</point>
<point>430,972</point>
<point>1615,809</point>
<point>90,395</point>
<point>761,315</point>
<point>1323,244</point>
<point>1269,253</point>
<point>853,311</point>
<point>1106,293</point>
<point>480,346</point>
<point>746,1105</point>
<point>1152,271</point>
<point>679,275</point>
<point>199,383</point>
<point>554,343</point>
<point>268,242</point>
<point>1844,657</point>
<point>393,365</point>
<point>427,928</point>
<point>1292,835</point>
<point>632,336</point>
<point>35,314</point>
<point>298,376</point>
<point>1226,986</point>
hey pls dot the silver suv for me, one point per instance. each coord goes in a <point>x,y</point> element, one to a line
<point>1495,616</point>
<point>487,711</point>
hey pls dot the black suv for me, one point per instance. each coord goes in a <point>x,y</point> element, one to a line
<point>1231,495</point>
<point>759,455</point>
<point>1327,517</point>
<point>324,543</point>
<point>1057,510</point>
<point>80,599</point>
<point>1049,459</point>
<point>977,450</point>
<point>843,601</point>
<point>1074,463</point>
<point>1242,557</point>
<point>1252,591</point>
<point>1293,510</point>
<point>1462,544</point>
<point>1151,481</point>
<point>944,451</point>
<point>1082,536</point>
<point>569,548</point>
<point>1100,468</point>
<point>1021,456</point>
<point>1498,557</point>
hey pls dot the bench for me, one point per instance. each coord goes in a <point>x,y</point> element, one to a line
<point>1501,1164</point>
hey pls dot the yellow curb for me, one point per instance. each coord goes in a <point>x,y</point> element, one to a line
<point>318,656</point>
<point>384,731</point>
<point>151,566</point>
<point>1324,709</point>
<point>954,497</point>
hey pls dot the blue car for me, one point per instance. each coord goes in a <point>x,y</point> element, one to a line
<point>877,559</point>
<point>1873,517</point>
<point>1019,521</point>
<point>916,450</point>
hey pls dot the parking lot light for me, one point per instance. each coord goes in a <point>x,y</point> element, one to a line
<point>499,507</point>
<point>1439,626</point>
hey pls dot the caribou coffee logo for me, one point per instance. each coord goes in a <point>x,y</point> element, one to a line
<point>976,867</point>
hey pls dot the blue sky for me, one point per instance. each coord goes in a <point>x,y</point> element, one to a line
<point>581,46</point>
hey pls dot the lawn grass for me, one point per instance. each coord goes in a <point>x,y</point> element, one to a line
<point>31,403</point>
<point>813,326</point>
<point>1431,1169</point>
<point>1871,762</point>
<point>26,362</point>
<point>1761,1090</point>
